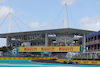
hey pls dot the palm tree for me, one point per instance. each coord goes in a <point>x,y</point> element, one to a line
<point>4,50</point>
<point>9,48</point>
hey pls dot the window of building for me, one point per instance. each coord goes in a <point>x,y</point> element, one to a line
<point>88,47</point>
<point>99,47</point>
<point>86,40</point>
<point>89,39</point>
<point>95,38</point>
<point>31,44</point>
<point>99,37</point>
<point>92,39</point>
<point>95,47</point>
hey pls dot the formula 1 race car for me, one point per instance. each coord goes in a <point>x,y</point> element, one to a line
<point>69,62</point>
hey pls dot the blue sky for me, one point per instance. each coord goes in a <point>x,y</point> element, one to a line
<point>45,14</point>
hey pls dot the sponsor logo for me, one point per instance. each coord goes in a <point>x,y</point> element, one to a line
<point>47,49</point>
<point>30,49</point>
<point>66,49</point>
<point>85,62</point>
<point>94,62</point>
<point>25,37</point>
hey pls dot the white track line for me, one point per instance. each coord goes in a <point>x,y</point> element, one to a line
<point>19,65</point>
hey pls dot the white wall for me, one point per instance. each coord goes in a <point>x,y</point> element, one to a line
<point>26,44</point>
<point>3,42</point>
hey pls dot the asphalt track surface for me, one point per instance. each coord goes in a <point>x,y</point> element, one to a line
<point>46,61</point>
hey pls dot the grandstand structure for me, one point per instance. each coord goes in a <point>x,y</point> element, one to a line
<point>53,37</point>
<point>92,48</point>
<point>93,42</point>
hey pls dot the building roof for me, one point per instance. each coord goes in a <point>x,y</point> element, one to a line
<point>93,34</point>
<point>55,31</point>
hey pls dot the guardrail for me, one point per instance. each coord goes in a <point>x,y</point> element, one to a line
<point>11,58</point>
<point>95,50</point>
<point>93,42</point>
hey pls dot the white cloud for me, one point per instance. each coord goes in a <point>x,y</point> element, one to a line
<point>40,25</point>
<point>68,2</point>
<point>98,3</point>
<point>4,10</point>
<point>89,23</point>
<point>2,30</point>
<point>20,12</point>
<point>46,25</point>
<point>2,1</point>
<point>85,19</point>
<point>35,25</point>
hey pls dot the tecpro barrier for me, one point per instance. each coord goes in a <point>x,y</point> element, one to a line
<point>7,58</point>
<point>92,62</point>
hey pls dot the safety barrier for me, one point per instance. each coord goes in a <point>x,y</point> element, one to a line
<point>61,60</point>
<point>92,62</point>
<point>7,58</point>
<point>50,49</point>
